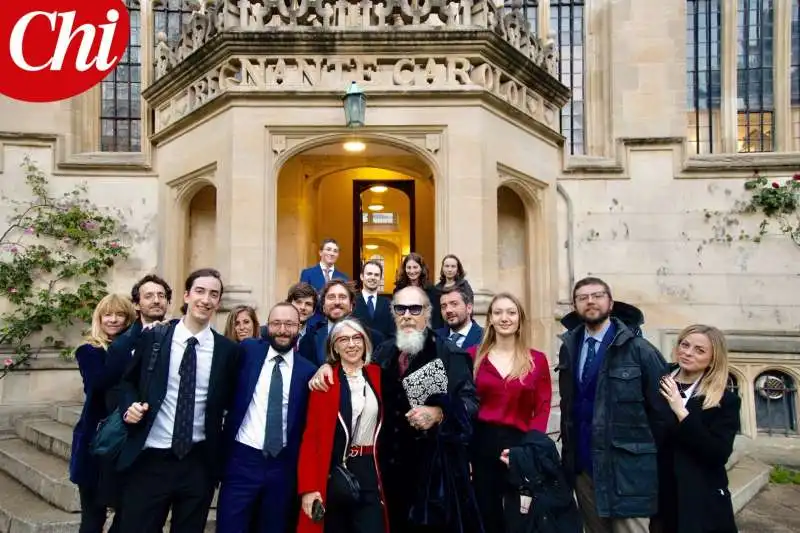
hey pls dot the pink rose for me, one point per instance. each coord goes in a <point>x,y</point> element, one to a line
<point>776,185</point>
<point>8,362</point>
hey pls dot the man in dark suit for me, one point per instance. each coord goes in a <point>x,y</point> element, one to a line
<point>372,309</point>
<point>456,306</point>
<point>337,303</point>
<point>319,274</point>
<point>174,396</point>
<point>264,428</point>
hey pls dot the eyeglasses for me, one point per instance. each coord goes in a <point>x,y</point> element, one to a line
<point>278,325</point>
<point>357,340</point>
<point>593,296</point>
<point>415,310</point>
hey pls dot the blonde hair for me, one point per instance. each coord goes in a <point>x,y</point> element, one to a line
<point>523,363</point>
<point>110,304</point>
<point>715,379</point>
<point>333,357</point>
<point>230,324</point>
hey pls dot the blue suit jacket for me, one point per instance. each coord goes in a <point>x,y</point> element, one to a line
<point>473,337</point>
<point>253,356</point>
<point>315,277</point>
<point>313,346</point>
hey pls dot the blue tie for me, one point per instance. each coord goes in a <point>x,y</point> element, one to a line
<point>371,306</point>
<point>273,438</point>
<point>183,430</point>
<point>455,337</point>
<point>591,353</point>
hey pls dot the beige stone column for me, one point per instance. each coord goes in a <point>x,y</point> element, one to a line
<point>543,29</point>
<point>783,83</point>
<point>729,105</point>
<point>85,122</point>
<point>146,59</point>
<point>598,69</point>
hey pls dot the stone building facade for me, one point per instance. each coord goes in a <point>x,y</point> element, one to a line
<point>600,137</point>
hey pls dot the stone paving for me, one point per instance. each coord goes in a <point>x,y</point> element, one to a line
<point>776,509</point>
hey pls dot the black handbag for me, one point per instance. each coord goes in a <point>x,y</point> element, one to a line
<point>343,487</point>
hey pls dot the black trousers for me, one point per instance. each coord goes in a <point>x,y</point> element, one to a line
<point>367,516</point>
<point>94,511</point>
<point>489,474</point>
<point>158,481</point>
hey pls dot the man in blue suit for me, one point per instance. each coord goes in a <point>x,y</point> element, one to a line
<point>263,430</point>
<point>456,305</point>
<point>318,275</point>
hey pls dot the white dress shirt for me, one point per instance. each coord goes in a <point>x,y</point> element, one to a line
<point>463,332</point>
<point>160,435</point>
<point>326,273</point>
<point>254,426</point>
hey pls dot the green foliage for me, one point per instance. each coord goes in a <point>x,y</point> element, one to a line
<point>53,258</point>
<point>777,202</point>
<point>782,475</point>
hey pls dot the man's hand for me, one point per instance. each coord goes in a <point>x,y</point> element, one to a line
<point>424,417</point>
<point>322,378</point>
<point>135,413</point>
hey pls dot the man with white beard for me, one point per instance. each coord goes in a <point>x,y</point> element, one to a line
<point>422,451</point>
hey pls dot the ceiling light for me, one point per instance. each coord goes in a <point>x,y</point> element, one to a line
<point>354,146</point>
<point>371,246</point>
<point>379,188</point>
<point>375,207</point>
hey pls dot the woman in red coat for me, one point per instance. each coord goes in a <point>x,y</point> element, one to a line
<point>342,427</point>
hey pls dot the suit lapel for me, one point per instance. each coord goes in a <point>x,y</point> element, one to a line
<point>256,363</point>
<point>217,359</point>
<point>474,335</point>
<point>295,388</point>
<point>162,364</point>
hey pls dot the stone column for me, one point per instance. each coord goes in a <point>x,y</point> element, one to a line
<point>146,58</point>
<point>598,68</point>
<point>782,122</point>
<point>543,29</point>
<point>729,105</point>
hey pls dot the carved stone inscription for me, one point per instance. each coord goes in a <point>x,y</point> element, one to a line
<point>251,74</point>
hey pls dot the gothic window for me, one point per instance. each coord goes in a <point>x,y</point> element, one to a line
<point>755,121</point>
<point>703,59</point>
<point>120,95</point>
<point>566,21</point>
<point>168,17</point>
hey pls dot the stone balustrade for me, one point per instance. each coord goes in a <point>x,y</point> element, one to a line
<point>212,17</point>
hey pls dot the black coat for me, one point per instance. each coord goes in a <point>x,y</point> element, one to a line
<point>535,467</point>
<point>221,386</point>
<point>382,320</point>
<point>694,496</point>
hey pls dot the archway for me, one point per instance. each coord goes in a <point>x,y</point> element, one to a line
<point>322,193</point>
<point>775,395</point>
<point>512,245</point>
<point>201,229</point>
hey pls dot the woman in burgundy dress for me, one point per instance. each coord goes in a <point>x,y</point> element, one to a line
<point>513,385</point>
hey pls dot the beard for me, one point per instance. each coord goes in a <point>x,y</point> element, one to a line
<point>596,320</point>
<point>410,342</point>
<point>281,349</point>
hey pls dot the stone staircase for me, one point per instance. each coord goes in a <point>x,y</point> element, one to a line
<point>36,495</point>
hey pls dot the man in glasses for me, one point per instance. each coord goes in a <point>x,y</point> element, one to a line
<point>423,447</point>
<point>263,430</point>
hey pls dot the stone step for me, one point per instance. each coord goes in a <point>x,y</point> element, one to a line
<point>66,414</point>
<point>44,474</point>
<point>746,479</point>
<point>47,435</point>
<point>22,511</point>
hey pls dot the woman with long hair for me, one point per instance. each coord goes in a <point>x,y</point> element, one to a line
<point>512,382</point>
<point>242,323</point>
<point>693,482</point>
<point>339,440</point>
<point>112,316</point>
<point>414,271</point>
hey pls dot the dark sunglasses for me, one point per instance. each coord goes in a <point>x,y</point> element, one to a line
<point>415,310</point>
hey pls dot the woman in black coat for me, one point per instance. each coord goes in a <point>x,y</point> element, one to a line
<point>693,481</point>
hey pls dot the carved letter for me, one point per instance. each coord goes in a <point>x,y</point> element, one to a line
<point>510,92</point>
<point>254,74</point>
<point>365,67</point>
<point>483,76</point>
<point>458,70</point>
<point>430,72</point>
<point>311,70</point>
<point>403,72</point>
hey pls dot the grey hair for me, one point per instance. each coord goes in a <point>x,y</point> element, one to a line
<point>337,329</point>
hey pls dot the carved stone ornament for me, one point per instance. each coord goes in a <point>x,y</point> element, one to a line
<point>211,17</point>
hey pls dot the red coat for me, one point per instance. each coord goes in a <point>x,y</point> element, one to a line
<point>316,447</point>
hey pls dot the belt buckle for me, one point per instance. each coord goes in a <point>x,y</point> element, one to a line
<point>355,451</point>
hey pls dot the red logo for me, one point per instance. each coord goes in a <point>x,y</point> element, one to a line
<point>55,49</point>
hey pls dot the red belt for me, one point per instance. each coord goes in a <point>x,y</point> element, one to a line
<point>356,451</point>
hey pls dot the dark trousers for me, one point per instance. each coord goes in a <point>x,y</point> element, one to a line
<point>94,512</point>
<point>257,493</point>
<point>489,474</point>
<point>367,516</point>
<point>158,481</point>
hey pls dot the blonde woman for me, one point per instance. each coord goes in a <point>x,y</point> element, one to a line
<point>342,428</point>
<point>512,382</point>
<point>112,316</point>
<point>242,323</point>
<point>693,482</point>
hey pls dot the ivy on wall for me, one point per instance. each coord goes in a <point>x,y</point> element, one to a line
<point>54,256</point>
<point>777,202</point>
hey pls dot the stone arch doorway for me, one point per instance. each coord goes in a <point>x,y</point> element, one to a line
<point>316,198</point>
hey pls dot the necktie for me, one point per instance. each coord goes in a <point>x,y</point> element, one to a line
<point>183,430</point>
<point>591,353</point>
<point>273,437</point>
<point>403,362</point>
<point>328,273</point>
<point>371,306</point>
<point>455,337</point>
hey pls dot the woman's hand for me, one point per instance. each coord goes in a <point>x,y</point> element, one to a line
<point>669,390</point>
<point>307,501</point>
